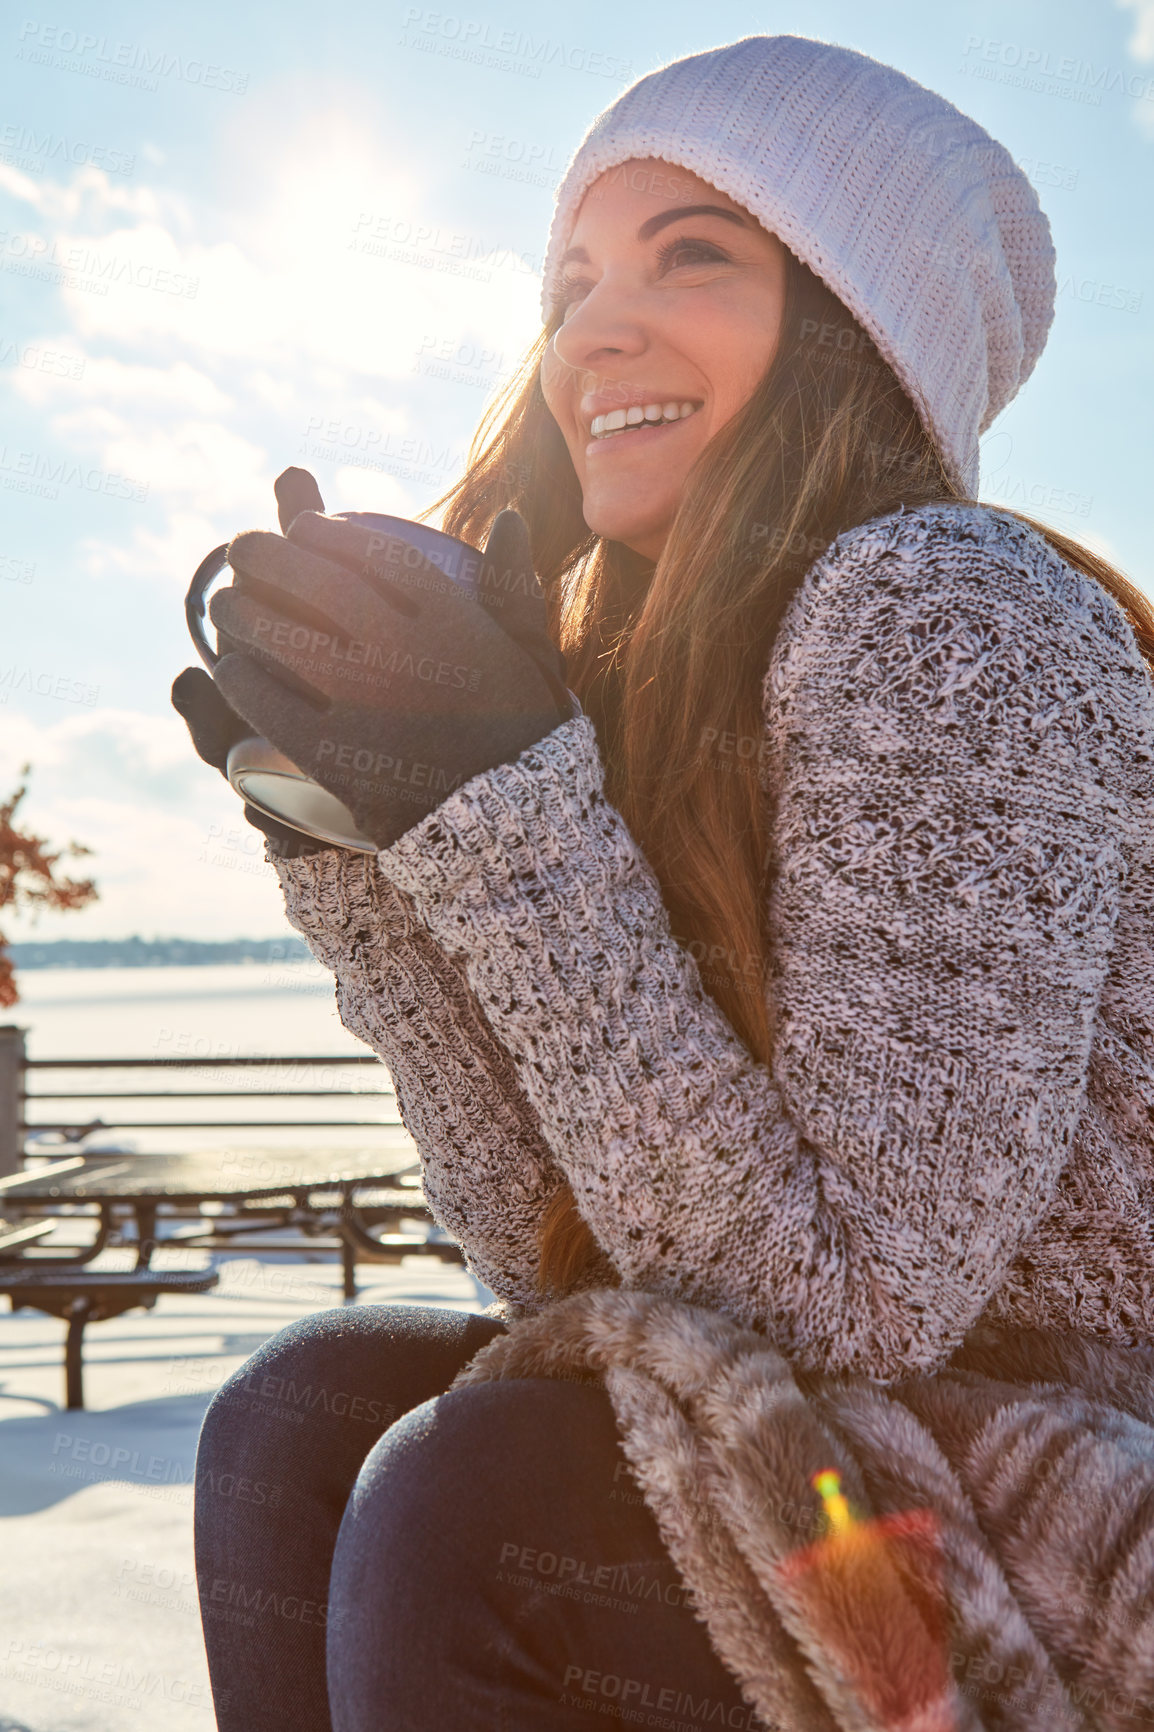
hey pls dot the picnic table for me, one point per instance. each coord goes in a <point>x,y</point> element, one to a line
<point>247,1190</point>
<point>240,1191</point>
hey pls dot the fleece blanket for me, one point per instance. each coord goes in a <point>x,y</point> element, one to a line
<point>970,1550</point>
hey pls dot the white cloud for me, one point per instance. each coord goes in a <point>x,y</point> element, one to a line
<point>185,460</point>
<point>260,338</point>
<point>174,550</point>
<point>328,212</point>
<point>366,490</point>
<point>308,297</point>
<point>205,480</point>
<point>340,262</point>
<point>171,849</point>
<point>275,392</point>
<point>1141,43</point>
<point>1141,47</point>
<point>106,380</point>
<point>88,196</point>
<point>317,298</point>
<point>19,186</point>
<point>113,754</point>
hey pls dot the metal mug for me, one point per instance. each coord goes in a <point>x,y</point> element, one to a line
<point>261,775</point>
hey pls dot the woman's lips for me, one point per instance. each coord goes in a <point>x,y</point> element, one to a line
<point>645,433</point>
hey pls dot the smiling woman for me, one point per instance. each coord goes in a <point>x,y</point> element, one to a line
<point>707,550</point>
<point>688,303</point>
<point>779,1023</point>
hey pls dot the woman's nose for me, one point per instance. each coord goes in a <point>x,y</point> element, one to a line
<point>606,322</point>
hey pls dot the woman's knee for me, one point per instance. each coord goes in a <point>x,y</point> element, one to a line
<point>280,1369</point>
<point>472,1533</point>
<point>482,1470</point>
<point>292,1426</point>
<point>367,1362</point>
<point>489,1433</point>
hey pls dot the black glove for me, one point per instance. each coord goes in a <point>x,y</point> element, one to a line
<point>214,727</point>
<point>295,491</point>
<point>378,676</point>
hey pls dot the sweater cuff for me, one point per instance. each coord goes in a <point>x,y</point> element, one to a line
<point>505,823</point>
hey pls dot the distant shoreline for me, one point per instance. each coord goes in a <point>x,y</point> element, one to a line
<point>154,953</point>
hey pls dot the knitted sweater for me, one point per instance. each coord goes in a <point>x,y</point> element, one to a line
<point>959,1119</point>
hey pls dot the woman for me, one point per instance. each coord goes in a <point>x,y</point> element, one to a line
<point>805,976</point>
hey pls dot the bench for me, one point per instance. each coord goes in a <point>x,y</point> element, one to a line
<point>14,1235</point>
<point>83,1296</point>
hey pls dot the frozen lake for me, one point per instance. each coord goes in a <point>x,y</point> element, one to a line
<point>222,1010</point>
<point>218,1012</point>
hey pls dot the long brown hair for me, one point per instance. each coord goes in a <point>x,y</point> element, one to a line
<point>668,658</point>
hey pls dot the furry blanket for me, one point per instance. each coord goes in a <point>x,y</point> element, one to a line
<point>967,1551</point>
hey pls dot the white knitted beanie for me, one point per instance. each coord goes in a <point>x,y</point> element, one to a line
<point>920,222</point>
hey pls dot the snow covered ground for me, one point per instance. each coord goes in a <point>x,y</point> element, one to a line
<point>99,1623</point>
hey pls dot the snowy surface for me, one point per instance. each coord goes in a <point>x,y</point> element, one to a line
<point>99,1622</point>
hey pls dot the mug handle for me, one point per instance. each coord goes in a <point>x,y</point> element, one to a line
<point>195,605</point>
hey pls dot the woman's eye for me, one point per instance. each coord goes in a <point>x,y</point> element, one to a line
<point>679,251</point>
<point>685,251</point>
<point>566,292</point>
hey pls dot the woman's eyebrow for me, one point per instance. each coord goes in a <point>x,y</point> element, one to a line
<point>578,255</point>
<point>651,225</point>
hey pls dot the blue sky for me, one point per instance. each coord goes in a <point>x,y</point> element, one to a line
<point>238,237</point>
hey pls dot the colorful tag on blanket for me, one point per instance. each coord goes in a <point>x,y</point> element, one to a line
<point>873,1597</point>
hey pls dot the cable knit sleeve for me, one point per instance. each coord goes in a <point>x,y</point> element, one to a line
<point>948,715</point>
<point>486,1170</point>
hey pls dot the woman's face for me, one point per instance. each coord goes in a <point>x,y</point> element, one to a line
<point>673,298</point>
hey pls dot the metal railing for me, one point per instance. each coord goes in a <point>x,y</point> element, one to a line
<point>17,1069</point>
<point>336,1213</point>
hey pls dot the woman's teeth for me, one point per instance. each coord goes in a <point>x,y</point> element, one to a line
<point>621,420</point>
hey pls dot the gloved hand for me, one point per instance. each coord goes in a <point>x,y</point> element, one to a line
<point>295,491</point>
<point>381,678</point>
<point>213,726</point>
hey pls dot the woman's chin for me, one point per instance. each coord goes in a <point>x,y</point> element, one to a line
<point>618,522</point>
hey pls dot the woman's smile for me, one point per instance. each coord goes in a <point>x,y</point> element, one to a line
<point>671,314</point>
<point>638,428</point>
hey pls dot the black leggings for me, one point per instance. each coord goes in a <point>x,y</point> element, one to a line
<point>374,1553</point>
